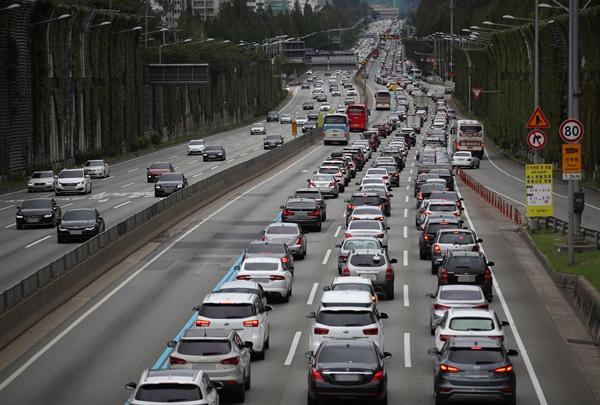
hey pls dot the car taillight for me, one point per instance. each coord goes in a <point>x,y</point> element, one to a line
<point>389,273</point>
<point>311,184</point>
<point>176,360</point>
<point>457,145</point>
<point>419,196</point>
<point>440,306</point>
<point>488,276</point>
<point>348,235</point>
<point>243,277</point>
<point>448,369</point>
<point>332,184</point>
<point>346,272</point>
<point>351,207</point>
<point>371,331</point>
<point>426,237</point>
<point>378,376</point>
<point>482,145</point>
<point>251,324</point>
<point>457,213</point>
<point>475,248</point>
<point>437,250</point>
<point>379,236</point>
<point>232,360</point>
<point>381,218</point>
<point>316,376</point>
<point>313,213</point>
<point>202,322</point>
<point>276,278</point>
<point>444,275</point>
<point>505,369</point>
<point>299,241</point>
<point>482,306</point>
<point>321,331</point>
<point>343,257</point>
<point>287,213</point>
<point>499,337</point>
<point>263,238</point>
<point>385,177</point>
<point>443,338</point>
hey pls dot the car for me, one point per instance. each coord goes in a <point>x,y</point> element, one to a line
<point>336,92</point>
<point>219,353</point>
<point>378,173</point>
<point>474,367</point>
<point>43,180</point>
<point>243,312</point>
<point>73,181</point>
<point>156,169</point>
<point>270,273</point>
<point>301,119</point>
<point>394,173</point>
<point>308,105</point>
<point>448,90</point>
<point>367,227</point>
<point>470,268</point>
<point>367,212</point>
<point>427,234</point>
<point>272,116</point>
<point>360,198</point>
<point>373,264</point>
<point>445,174</point>
<point>97,168</point>
<point>347,370</point>
<point>349,100</point>
<point>285,118</point>
<point>302,211</point>
<point>168,183</point>
<point>354,283</point>
<point>316,194</point>
<point>162,387</point>
<point>258,128</point>
<point>38,212</point>
<point>420,179</point>
<point>272,141</point>
<point>384,196</point>
<point>347,298</point>
<point>452,239</point>
<point>336,171</point>
<point>358,242</point>
<point>454,296</point>
<point>196,147</point>
<point>305,85</point>
<point>446,195</point>
<point>325,107</point>
<point>244,286</point>
<point>369,181</point>
<point>451,114</point>
<point>347,323</point>
<point>351,92</point>
<point>436,206</point>
<point>79,224</point>
<point>428,188</point>
<point>469,322</point>
<point>308,126</point>
<point>214,152</point>
<point>465,159</point>
<point>312,115</point>
<point>280,250</point>
<point>289,233</point>
<point>321,98</point>
<point>326,183</point>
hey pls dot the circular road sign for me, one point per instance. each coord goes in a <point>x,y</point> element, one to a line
<point>536,139</point>
<point>571,130</point>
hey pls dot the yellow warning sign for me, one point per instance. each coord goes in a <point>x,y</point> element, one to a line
<point>537,120</point>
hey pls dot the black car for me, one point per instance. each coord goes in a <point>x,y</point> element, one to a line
<point>272,141</point>
<point>464,267</point>
<point>421,179</point>
<point>261,248</point>
<point>474,367</point>
<point>394,174</point>
<point>272,116</point>
<point>302,211</point>
<point>427,189</point>
<point>316,194</point>
<point>396,153</point>
<point>38,212</point>
<point>169,183</point>
<point>80,224</point>
<point>322,98</point>
<point>347,369</point>
<point>308,105</point>
<point>370,198</point>
<point>214,152</point>
<point>384,196</point>
<point>428,234</point>
<point>447,175</point>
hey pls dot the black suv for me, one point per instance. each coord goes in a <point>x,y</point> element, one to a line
<point>316,194</point>
<point>302,211</point>
<point>447,175</point>
<point>38,212</point>
<point>370,198</point>
<point>464,267</point>
<point>308,105</point>
<point>272,116</point>
<point>427,235</point>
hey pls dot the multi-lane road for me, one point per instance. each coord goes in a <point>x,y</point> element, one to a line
<point>108,334</point>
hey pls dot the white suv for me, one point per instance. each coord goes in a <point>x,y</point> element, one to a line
<point>244,312</point>
<point>73,181</point>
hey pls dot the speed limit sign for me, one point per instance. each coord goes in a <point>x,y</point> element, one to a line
<point>571,130</point>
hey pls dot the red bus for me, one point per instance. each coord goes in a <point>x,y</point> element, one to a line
<point>359,117</point>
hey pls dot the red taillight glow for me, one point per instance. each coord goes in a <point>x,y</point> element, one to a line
<point>440,306</point>
<point>299,241</point>
<point>284,260</point>
<point>419,196</point>
<point>311,184</point>
<point>251,324</point>
<point>348,235</point>
<point>488,276</point>
<point>351,207</point>
<point>346,272</point>
<point>437,250</point>
<point>316,376</point>
<point>202,322</point>
<point>232,360</point>
<point>321,331</point>
<point>313,213</point>
<point>276,278</point>
<point>378,376</point>
<point>287,213</point>
<point>506,369</point>
<point>475,248</point>
<point>243,278</point>
<point>371,331</point>
<point>482,306</point>
<point>379,236</point>
<point>448,369</point>
<point>389,273</point>
<point>176,360</point>
<point>443,338</point>
<point>444,275</point>
<point>332,184</point>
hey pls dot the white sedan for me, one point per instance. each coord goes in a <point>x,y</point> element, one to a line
<point>467,322</point>
<point>196,146</point>
<point>465,159</point>
<point>97,168</point>
<point>269,273</point>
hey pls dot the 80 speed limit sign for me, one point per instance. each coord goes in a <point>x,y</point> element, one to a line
<point>571,130</point>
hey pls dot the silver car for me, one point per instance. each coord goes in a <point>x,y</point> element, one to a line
<point>289,233</point>
<point>373,264</point>
<point>367,212</point>
<point>327,183</point>
<point>368,227</point>
<point>360,242</point>
<point>97,168</point>
<point>258,128</point>
<point>285,118</point>
<point>454,296</point>
<point>452,239</point>
<point>42,181</point>
<point>196,147</point>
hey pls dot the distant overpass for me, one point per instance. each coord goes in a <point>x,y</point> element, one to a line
<point>342,60</point>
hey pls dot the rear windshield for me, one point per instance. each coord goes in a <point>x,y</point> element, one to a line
<point>468,356</point>
<point>371,224</point>
<point>307,194</point>
<point>361,244</point>
<point>164,393</point>
<point>474,263</point>
<point>457,295</point>
<point>472,324</point>
<point>367,260</point>
<point>441,207</point>
<point>266,248</point>
<point>430,188</point>
<point>214,149</point>
<point>332,119</point>
<point>301,206</point>
<point>204,347</point>
<point>349,354</point>
<point>323,178</point>
<point>282,230</point>
<point>456,238</point>
<point>270,266</point>
<point>351,287</point>
<point>433,228</point>
<point>365,200</point>
<point>226,311</point>
<point>345,318</point>
<point>444,196</point>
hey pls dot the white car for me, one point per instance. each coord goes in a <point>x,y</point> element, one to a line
<point>454,296</point>
<point>351,92</point>
<point>468,322</point>
<point>347,298</point>
<point>44,180</point>
<point>285,118</point>
<point>367,212</point>
<point>269,273</point>
<point>465,159</point>
<point>368,227</point>
<point>325,107</point>
<point>74,181</point>
<point>378,173</point>
<point>346,323</point>
<point>353,283</point>
<point>196,147</point>
<point>97,168</point>
<point>373,180</point>
<point>301,119</point>
<point>258,128</point>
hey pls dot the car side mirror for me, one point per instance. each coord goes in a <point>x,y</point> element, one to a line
<point>311,315</point>
<point>479,240</point>
<point>384,315</point>
<point>308,180</point>
<point>262,232</point>
<point>436,322</point>
<point>217,385</point>
<point>19,208</point>
<point>131,386</point>
<point>490,264</point>
<point>433,351</point>
<point>248,344</point>
<point>387,355</point>
<point>310,354</point>
<point>505,323</point>
<point>282,206</point>
<point>171,343</point>
<point>196,308</point>
<point>393,261</point>
<point>512,353</point>
<point>268,308</point>
<point>327,288</point>
<point>237,267</point>
<point>430,295</point>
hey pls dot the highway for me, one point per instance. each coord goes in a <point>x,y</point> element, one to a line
<point>119,326</point>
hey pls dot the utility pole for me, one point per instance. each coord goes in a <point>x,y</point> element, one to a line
<point>451,37</point>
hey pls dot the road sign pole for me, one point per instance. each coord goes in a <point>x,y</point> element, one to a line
<point>574,93</point>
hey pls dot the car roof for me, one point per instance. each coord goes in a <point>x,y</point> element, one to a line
<point>240,284</point>
<point>349,297</point>
<point>170,375</point>
<point>220,297</point>
<point>301,199</point>
<point>470,312</point>
<point>198,333</point>
<point>459,287</point>
<point>262,259</point>
<point>352,280</point>
<point>464,253</point>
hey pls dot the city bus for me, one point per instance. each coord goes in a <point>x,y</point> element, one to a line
<point>383,100</point>
<point>336,129</point>
<point>358,116</point>
<point>415,74</point>
<point>469,137</point>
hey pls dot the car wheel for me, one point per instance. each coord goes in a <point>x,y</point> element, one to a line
<point>390,294</point>
<point>57,194</point>
<point>260,355</point>
<point>336,195</point>
<point>203,159</point>
<point>240,396</point>
<point>90,192</point>
<point>432,331</point>
<point>439,399</point>
<point>319,227</point>
<point>286,297</point>
<point>434,269</point>
<point>311,401</point>
<point>421,255</point>
<point>342,188</point>
<point>248,382</point>
<point>384,400</point>
<point>512,400</point>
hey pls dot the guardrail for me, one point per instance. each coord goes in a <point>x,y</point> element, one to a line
<point>37,295</point>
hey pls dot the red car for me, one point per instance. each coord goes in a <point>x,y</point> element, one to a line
<point>156,169</point>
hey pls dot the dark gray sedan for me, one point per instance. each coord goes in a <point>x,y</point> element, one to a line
<point>169,183</point>
<point>38,212</point>
<point>289,233</point>
<point>273,141</point>
<point>214,152</point>
<point>80,224</point>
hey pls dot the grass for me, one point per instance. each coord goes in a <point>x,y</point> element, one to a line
<point>586,264</point>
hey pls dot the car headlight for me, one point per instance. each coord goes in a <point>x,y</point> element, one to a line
<point>48,215</point>
<point>20,216</point>
<point>220,153</point>
<point>30,183</point>
<point>61,228</point>
<point>179,185</point>
<point>157,186</point>
<point>90,228</point>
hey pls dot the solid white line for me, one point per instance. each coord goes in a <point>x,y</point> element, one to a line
<point>176,167</point>
<point>311,296</point>
<point>9,206</point>
<point>133,170</point>
<point>293,348</point>
<point>193,161</point>
<point>108,296</point>
<point>8,226</point>
<point>244,154</point>
<point>120,205</point>
<point>326,256</point>
<point>405,260</point>
<point>214,167</point>
<point>199,174</point>
<point>337,231</point>
<point>523,352</point>
<point>38,241</point>
<point>128,184</point>
<point>405,293</point>
<point>405,212</point>
<point>405,231</point>
<point>407,362</point>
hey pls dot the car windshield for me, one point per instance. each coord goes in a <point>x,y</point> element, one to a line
<point>33,204</point>
<point>41,175</point>
<point>471,324</point>
<point>266,248</point>
<point>367,260</point>
<point>71,174</point>
<point>204,347</point>
<point>460,295</point>
<point>164,393</point>
<point>348,354</point>
<point>94,163</point>
<point>170,177</point>
<point>214,149</point>
<point>257,125</point>
<point>470,356</point>
<point>273,138</point>
<point>160,166</point>
<point>456,238</point>
<point>282,230</point>
<point>197,143</point>
<point>345,318</point>
<point>79,215</point>
<point>266,266</point>
<point>226,311</point>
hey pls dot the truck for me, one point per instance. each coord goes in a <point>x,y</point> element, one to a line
<point>415,122</point>
<point>422,102</point>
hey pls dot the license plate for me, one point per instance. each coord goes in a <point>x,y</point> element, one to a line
<point>334,134</point>
<point>261,280</point>
<point>370,276</point>
<point>34,219</point>
<point>75,232</point>
<point>470,147</point>
<point>346,377</point>
<point>465,278</point>
<point>476,374</point>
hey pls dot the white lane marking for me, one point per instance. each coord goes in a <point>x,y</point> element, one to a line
<point>127,185</point>
<point>405,258</point>
<point>176,167</point>
<point>407,187</point>
<point>406,199</point>
<point>293,348</point>
<point>193,161</point>
<point>249,140</point>
<point>407,362</point>
<point>409,179</point>
<point>105,200</point>
<point>9,206</point>
<point>38,241</point>
<point>405,212</point>
<point>337,231</point>
<point>522,351</point>
<point>199,174</point>
<point>133,170</point>
<point>411,170</point>
<point>66,205</point>
<point>237,144</point>
<point>230,160</point>
<point>405,293</point>
<point>129,279</point>
<point>214,167</point>
<point>8,226</point>
<point>326,256</point>
<point>120,205</point>
<point>405,231</point>
<point>256,149</point>
<point>173,157</point>
<point>311,296</point>
<point>244,154</point>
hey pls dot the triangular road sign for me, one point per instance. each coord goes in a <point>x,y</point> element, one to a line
<point>537,120</point>
<point>476,92</point>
